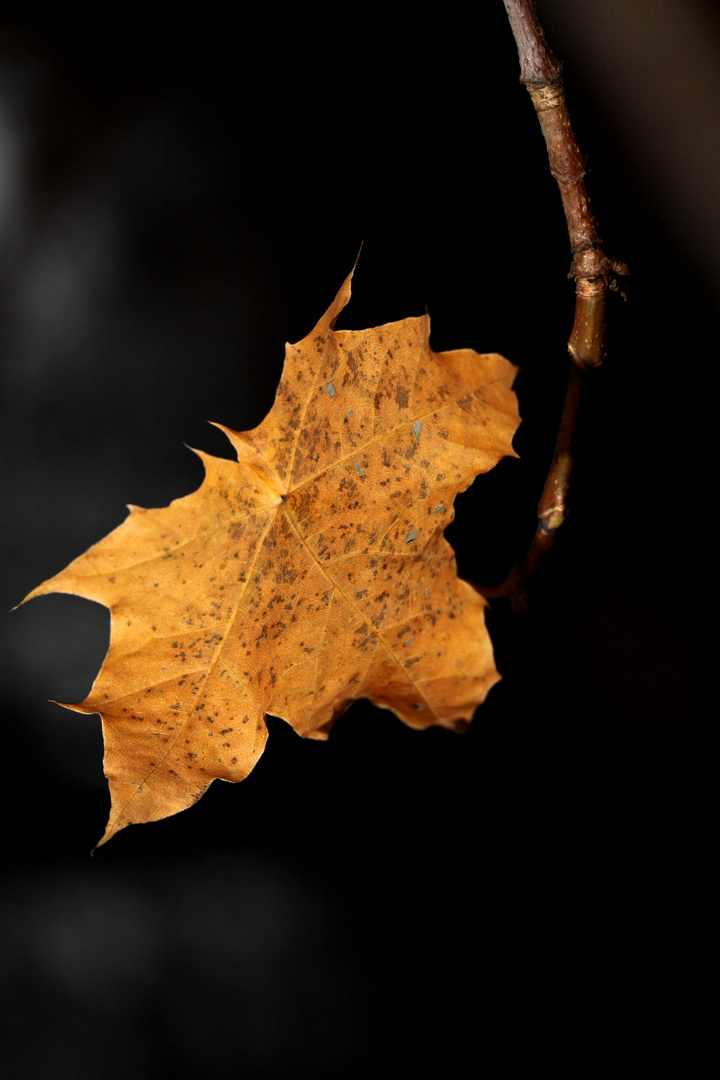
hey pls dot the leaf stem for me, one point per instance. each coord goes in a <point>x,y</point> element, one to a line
<point>593,271</point>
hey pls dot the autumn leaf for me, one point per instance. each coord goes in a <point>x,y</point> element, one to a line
<point>309,573</point>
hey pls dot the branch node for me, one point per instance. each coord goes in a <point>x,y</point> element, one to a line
<point>552,519</point>
<point>546,95</point>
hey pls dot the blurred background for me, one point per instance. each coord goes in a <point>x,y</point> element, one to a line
<point>175,203</point>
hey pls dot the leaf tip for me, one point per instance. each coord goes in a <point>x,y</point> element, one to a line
<point>341,301</point>
<point>40,590</point>
<point>107,835</point>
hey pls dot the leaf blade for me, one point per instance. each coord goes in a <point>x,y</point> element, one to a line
<point>310,572</point>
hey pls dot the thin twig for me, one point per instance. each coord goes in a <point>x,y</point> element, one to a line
<point>594,274</point>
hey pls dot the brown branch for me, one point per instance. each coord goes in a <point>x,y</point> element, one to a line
<point>553,505</point>
<point>594,274</point>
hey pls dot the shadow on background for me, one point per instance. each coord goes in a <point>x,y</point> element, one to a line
<point>172,209</point>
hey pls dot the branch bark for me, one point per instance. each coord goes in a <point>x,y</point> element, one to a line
<point>593,271</point>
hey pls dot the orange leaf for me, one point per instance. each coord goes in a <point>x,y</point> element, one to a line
<point>310,572</point>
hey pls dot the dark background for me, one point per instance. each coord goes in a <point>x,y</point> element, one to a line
<point>177,203</point>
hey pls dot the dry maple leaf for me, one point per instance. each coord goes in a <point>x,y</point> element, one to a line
<point>310,572</point>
